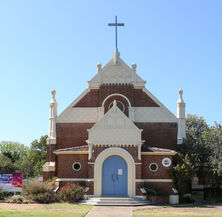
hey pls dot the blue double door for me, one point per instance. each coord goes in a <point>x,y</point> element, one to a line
<point>114,176</point>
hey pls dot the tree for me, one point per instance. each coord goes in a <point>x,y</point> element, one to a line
<point>195,147</point>
<point>13,150</point>
<point>181,174</point>
<point>213,140</point>
<point>37,154</point>
<point>6,165</point>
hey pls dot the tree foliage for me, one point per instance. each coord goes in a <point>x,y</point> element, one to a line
<point>16,157</point>
<point>203,148</point>
<point>181,173</point>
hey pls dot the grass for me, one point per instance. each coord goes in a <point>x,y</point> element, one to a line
<point>178,212</point>
<point>51,210</point>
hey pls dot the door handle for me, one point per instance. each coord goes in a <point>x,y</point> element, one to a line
<point>113,177</point>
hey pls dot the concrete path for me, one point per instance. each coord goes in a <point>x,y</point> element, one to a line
<point>110,211</point>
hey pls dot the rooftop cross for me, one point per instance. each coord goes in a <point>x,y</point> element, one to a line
<point>116,24</point>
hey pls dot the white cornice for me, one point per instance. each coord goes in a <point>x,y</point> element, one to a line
<point>158,153</point>
<point>70,152</point>
<point>74,179</point>
<point>154,180</point>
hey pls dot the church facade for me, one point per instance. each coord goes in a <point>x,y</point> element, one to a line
<point>116,137</point>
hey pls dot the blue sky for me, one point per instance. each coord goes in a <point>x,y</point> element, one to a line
<point>57,44</point>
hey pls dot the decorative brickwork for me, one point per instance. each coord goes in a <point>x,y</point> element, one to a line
<point>131,149</point>
<point>137,97</point>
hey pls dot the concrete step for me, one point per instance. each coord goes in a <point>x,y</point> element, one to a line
<point>115,201</point>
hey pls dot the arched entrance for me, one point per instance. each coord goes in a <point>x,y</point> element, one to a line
<point>131,174</point>
<point>114,176</point>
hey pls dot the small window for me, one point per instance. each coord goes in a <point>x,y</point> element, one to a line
<point>76,166</point>
<point>166,162</point>
<point>119,105</point>
<point>153,167</point>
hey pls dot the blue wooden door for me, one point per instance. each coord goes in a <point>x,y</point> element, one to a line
<point>114,178</point>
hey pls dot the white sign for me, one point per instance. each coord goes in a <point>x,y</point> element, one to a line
<point>166,162</point>
<point>120,172</point>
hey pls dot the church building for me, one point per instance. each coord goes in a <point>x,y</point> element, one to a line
<point>116,137</point>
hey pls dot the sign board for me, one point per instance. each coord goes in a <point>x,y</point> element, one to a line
<point>11,182</point>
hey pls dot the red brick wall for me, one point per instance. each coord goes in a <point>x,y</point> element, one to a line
<point>72,134</point>
<point>49,155</point>
<point>137,97</point>
<point>64,166</point>
<point>161,173</point>
<point>162,135</point>
<point>48,175</point>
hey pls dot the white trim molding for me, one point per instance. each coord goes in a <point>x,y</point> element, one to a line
<point>130,169</point>
<point>74,179</point>
<point>70,152</point>
<point>158,153</point>
<point>154,180</point>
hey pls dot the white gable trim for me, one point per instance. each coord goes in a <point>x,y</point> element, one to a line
<point>73,103</point>
<point>159,103</point>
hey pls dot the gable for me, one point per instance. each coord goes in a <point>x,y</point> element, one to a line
<point>119,73</point>
<point>114,128</point>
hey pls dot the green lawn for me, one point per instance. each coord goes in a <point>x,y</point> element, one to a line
<point>51,210</point>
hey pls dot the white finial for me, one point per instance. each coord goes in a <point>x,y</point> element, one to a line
<point>180,95</point>
<point>114,103</point>
<point>53,94</point>
<point>134,66</point>
<point>99,67</point>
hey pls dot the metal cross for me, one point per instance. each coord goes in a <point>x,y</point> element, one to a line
<point>116,24</point>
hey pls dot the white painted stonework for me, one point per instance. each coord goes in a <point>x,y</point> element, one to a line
<point>79,115</point>
<point>119,73</point>
<point>52,119</point>
<point>181,118</point>
<point>115,128</point>
<point>49,167</point>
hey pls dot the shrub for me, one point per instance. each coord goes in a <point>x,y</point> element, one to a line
<point>15,199</point>
<point>71,193</point>
<point>41,193</point>
<point>4,195</point>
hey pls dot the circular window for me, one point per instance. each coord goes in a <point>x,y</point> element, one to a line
<point>166,162</point>
<point>76,166</point>
<point>119,105</point>
<point>153,167</point>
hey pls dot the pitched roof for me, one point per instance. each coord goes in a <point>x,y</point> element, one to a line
<point>155,149</point>
<point>83,148</point>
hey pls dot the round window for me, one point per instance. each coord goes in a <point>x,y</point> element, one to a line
<point>153,167</point>
<point>119,105</point>
<point>166,162</point>
<point>76,166</point>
